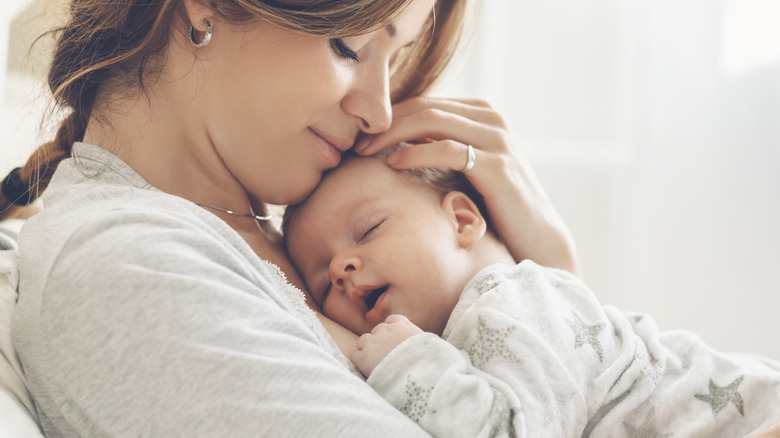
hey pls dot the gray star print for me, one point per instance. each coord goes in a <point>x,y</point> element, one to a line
<point>720,396</point>
<point>416,400</point>
<point>552,410</point>
<point>503,418</point>
<point>586,334</point>
<point>490,344</point>
<point>644,431</point>
<point>486,283</point>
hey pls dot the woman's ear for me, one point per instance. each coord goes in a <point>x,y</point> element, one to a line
<point>469,224</point>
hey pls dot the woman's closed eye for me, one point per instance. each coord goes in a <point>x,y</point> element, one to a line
<point>342,50</point>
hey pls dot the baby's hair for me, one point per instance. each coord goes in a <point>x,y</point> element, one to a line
<point>440,180</point>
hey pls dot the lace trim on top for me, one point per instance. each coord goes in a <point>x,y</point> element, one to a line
<point>301,310</point>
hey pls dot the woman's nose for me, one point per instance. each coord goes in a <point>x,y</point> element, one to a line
<point>342,268</point>
<point>369,101</point>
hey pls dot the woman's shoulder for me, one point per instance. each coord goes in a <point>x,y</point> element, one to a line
<point>99,233</point>
<point>117,217</point>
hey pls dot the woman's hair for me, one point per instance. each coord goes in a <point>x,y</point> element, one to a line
<point>107,47</point>
<point>440,180</point>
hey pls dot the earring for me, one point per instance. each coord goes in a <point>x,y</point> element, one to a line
<point>206,39</point>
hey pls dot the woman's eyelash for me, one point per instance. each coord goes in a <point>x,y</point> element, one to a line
<point>342,50</point>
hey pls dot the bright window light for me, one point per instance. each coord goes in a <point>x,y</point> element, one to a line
<point>751,35</point>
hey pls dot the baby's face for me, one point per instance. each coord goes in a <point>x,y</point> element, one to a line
<point>370,243</point>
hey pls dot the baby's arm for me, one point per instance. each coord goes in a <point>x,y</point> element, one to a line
<point>435,384</point>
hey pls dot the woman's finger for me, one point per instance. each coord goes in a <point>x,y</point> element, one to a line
<point>436,124</point>
<point>447,154</point>
<point>476,110</point>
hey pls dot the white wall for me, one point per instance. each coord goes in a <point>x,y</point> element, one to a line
<point>655,127</point>
<point>23,95</point>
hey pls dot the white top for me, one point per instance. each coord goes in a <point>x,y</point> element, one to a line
<point>142,314</point>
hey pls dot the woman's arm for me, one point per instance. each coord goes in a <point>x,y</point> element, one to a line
<point>345,339</point>
<point>519,209</point>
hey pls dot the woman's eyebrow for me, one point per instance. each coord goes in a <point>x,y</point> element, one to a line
<point>390,28</point>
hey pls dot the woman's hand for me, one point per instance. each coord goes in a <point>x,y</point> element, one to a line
<point>519,209</point>
<point>373,347</point>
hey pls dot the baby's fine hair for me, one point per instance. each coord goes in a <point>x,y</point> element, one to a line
<point>440,180</point>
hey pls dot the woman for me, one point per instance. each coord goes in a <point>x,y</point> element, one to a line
<point>154,299</point>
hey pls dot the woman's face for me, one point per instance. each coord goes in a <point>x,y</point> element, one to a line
<point>281,106</point>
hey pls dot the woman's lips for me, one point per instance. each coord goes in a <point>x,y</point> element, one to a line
<point>332,155</point>
<point>341,143</point>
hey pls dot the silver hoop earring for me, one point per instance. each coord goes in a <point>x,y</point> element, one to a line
<point>206,39</point>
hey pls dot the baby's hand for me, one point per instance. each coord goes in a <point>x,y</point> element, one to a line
<point>373,347</point>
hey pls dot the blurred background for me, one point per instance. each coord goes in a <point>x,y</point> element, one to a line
<point>654,125</point>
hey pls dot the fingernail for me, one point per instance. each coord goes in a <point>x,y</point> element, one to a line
<point>393,159</point>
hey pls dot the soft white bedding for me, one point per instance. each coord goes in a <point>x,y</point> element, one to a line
<point>17,412</point>
<point>15,422</point>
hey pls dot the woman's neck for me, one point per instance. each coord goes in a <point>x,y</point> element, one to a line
<point>158,135</point>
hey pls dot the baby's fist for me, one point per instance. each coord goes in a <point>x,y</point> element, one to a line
<point>373,347</point>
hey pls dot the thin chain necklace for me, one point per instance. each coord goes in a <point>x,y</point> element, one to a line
<point>254,216</point>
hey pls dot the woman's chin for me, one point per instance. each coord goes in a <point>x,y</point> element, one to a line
<point>297,194</point>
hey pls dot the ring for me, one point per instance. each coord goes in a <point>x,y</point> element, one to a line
<point>472,157</point>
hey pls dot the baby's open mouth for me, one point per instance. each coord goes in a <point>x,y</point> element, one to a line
<point>373,296</point>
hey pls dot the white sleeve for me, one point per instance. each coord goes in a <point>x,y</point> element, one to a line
<point>436,385</point>
<point>513,363</point>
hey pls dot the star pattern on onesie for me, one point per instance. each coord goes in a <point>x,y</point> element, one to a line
<point>502,419</point>
<point>491,343</point>
<point>586,334</point>
<point>416,400</point>
<point>552,409</point>
<point>646,429</point>
<point>720,396</point>
<point>486,283</point>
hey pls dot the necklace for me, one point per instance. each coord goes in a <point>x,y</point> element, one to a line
<point>254,216</point>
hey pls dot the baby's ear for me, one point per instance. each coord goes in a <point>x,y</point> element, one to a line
<point>468,222</point>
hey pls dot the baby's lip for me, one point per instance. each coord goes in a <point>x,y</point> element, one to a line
<point>377,300</point>
<point>363,293</point>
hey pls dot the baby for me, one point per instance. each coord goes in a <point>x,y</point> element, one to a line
<point>468,343</point>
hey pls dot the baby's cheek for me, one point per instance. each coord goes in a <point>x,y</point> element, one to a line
<point>343,313</point>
